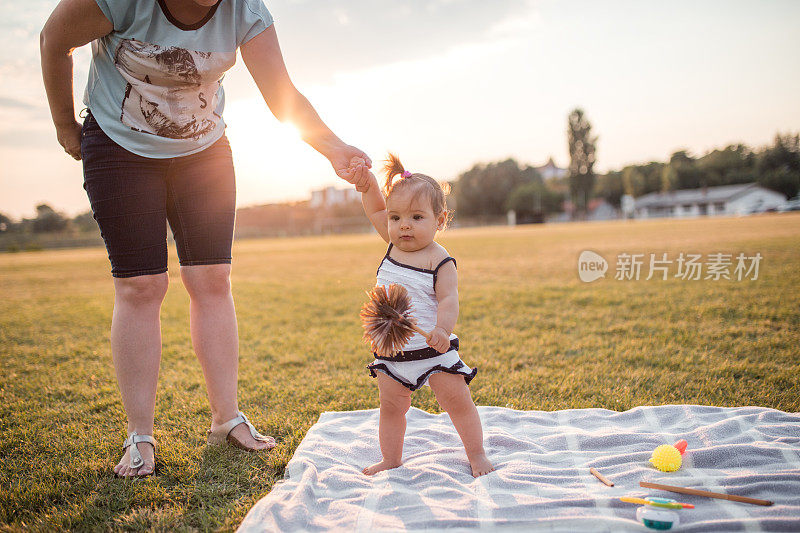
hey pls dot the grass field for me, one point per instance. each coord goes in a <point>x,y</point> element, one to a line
<point>541,338</point>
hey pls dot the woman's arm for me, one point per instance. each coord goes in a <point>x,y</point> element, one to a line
<point>72,24</point>
<point>375,205</point>
<point>263,57</point>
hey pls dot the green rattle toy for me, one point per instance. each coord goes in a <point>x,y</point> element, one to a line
<point>655,513</point>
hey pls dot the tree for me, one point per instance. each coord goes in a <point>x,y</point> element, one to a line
<point>650,177</point>
<point>733,164</point>
<point>5,223</point>
<point>582,157</point>
<point>48,220</point>
<point>778,166</point>
<point>532,200</point>
<point>85,222</point>
<point>633,181</point>
<point>610,187</point>
<point>687,175</point>
<point>484,189</point>
<point>669,177</point>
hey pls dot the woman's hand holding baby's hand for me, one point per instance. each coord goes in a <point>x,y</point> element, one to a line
<point>357,173</point>
<point>360,174</point>
<point>439,340</point>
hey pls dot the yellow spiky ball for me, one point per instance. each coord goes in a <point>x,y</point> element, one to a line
<point>666,458</point>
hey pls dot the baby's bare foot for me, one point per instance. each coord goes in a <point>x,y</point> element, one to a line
<point>480,465</point>
<point>379,467</point>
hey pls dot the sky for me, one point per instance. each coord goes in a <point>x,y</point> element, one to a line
<point>448,84</point>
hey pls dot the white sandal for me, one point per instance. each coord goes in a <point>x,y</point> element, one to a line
<point>135,456</point>
<point>222,434</point>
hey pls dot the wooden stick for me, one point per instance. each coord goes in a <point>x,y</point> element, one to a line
<point>422,332</point>
<point>708,494</point>
<point>601,477</point>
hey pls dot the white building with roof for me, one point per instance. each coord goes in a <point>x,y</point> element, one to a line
<point>331,196</point>
<point>550,170</point>
<point>740,199</point>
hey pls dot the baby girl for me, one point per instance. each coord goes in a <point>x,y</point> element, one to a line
<point>408,218</point>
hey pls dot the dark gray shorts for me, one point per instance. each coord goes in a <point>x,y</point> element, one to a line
<point>133,198</point>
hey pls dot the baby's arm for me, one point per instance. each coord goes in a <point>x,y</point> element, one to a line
<point>375,207</point>
<point>447,294</point>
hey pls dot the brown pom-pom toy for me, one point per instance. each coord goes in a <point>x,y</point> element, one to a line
<point>387,319</point>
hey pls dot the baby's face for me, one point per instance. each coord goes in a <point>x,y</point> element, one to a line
<point>412,224</point>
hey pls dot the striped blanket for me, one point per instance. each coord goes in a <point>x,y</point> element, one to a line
<point>542,482</point>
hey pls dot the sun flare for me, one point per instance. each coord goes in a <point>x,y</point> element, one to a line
<point>290,131</point>
<point>272,161</point>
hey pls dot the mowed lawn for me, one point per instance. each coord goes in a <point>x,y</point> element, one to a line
<point>541,338</point>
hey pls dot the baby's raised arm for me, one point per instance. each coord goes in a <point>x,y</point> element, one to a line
<point>375,206</point>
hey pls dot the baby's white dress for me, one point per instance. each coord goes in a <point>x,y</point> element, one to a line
<point>414,364</point>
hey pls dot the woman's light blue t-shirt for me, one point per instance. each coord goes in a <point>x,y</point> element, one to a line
<point>155,85</point>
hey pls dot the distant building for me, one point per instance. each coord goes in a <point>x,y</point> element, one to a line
<point>741,199</point>
<point>331,196</point>
<point>600,209</point>
<point>549,170</point>
<point>596,209</point>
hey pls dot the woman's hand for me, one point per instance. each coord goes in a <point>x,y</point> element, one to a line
<point>69,136</point>
<point>439,340</point>
<point>72,24</point>
<point>351,164</point>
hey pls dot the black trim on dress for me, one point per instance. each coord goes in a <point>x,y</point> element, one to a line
<point>418,354</point>
<point>398,263</point>
<point>373,367</point>
<point>187,27</point>
<point>435,271</point>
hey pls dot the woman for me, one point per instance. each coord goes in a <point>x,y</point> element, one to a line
<point>154,150</point>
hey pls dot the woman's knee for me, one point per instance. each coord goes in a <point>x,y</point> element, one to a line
<point>207,280</point>
<point>142,290</point>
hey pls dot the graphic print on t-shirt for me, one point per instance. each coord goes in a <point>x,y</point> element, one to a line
<point>172,92</point>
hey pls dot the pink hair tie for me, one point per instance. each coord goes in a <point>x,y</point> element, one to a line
<point>406,174</point>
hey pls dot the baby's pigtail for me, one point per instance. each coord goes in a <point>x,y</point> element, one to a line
<point>393,167</point>
<point>448,213</point>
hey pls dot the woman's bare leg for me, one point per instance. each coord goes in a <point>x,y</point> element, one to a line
<point>395,401</point>
<point>215,339</point>
<point>453,395</point>
<point>136,349</point>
